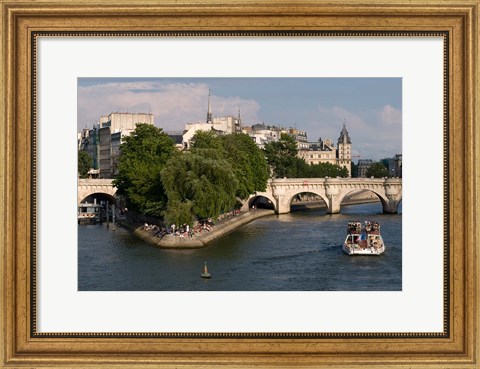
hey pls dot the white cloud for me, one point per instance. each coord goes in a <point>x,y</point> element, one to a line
<point>389,115</point>
<point>328,122</point>
<point>172,104</point>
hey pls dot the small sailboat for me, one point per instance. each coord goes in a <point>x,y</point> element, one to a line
<point>205,273</point>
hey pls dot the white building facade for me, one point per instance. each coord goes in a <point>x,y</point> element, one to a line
<point>324,151</point>
<point>123,122</point>
<point>102,142</point>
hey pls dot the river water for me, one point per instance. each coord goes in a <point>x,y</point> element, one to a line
<point>300,251</point>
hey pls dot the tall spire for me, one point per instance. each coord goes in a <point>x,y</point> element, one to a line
<point>238,122</point>
<point>209,112</point>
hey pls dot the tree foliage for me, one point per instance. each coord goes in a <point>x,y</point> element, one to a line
<point>248,163</point>
<point>281,155</point>
<point>199,184</point>
<point>205,140</point>
<point>377,170</point>
<point>284,162</point>
<point>143,155</point>
<point>245,158</point>
<point>322,170</point>
<point>84,163</point>
<point>179,212</point>
<point>207,180</point>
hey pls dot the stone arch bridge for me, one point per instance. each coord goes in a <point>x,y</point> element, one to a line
<point>87,187</point>
<point>332,190</point>
<point>281,191</point>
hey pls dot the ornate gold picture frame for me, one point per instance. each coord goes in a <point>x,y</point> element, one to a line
<point>23,346</point>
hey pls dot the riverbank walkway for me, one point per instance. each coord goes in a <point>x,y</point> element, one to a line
<point>198,240</point>
<point>222,227</point>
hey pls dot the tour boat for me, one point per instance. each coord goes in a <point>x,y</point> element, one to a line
<point>88,213</point>
<point>364,240</point>
<point>205,273</point>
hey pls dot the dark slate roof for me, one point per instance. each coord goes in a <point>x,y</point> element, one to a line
<point>344,137</point>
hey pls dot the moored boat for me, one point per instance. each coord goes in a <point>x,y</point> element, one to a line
<point>365,240</point>
<point>88,213</point>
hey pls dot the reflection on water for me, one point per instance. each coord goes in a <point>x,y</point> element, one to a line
<point>299,251</point>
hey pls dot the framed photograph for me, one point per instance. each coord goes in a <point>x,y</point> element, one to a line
<point>397,83</point>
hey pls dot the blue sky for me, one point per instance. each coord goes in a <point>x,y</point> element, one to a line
<point>370,107</point>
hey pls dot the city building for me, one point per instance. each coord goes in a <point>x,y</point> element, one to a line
<point>102,141</point>
<point>324,151</point>
<point>398,165</point>
<point>362,167</point>
<point>177,137</point>
<point>123,122</point>
<point>89,142</point>
<point>394,165</point>
<point>300,137</point>
<point>318,152</point>
<point>221,125</point>
<point>262,134</point>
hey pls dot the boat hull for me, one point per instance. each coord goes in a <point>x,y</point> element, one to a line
<point>355,249</point>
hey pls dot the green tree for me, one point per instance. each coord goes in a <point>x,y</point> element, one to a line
<point>283,160</point>
<point>179,212</point>
<point>280,155</point>
<point>84,163</point>
<point>199,184</point>
<point>205,140</point>
<point>296,167</point>
<point>377,170</point>
<point>322,170</point>
<point>248,163</point>
<point>246,159</point>
<point>143,155</point>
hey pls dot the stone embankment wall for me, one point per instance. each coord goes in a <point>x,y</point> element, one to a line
<point>202,239</point>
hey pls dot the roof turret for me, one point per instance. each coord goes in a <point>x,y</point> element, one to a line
<point>344,137</point>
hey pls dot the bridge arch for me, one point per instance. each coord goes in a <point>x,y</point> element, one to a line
<point>98,197</point>
<point>321,194</point>
<point>388,190</point>
<point>89,187</point>
<point>381,196</point>
<point>262,200</point>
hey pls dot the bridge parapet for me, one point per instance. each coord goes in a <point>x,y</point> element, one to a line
<point>95,181</point>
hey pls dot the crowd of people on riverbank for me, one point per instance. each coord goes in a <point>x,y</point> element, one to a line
<point>228,215</point>
<point>173,230</point>
<point>205,225</point>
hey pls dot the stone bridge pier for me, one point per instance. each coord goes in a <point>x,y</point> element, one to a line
<point>334,199</point>
<point>282,201</point>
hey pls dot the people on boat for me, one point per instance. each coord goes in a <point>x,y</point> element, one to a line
<point>366,238</point>
<point>354,227</point>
